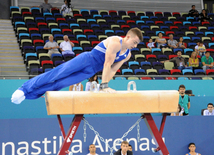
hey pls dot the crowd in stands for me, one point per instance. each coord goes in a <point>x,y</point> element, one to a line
<point>50,36</point>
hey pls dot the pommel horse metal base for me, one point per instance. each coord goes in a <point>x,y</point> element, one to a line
<point>80,103</point>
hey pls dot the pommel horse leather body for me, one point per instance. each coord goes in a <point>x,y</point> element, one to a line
<point>80,103</point>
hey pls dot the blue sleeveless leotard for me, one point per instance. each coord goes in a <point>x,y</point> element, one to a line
<point>71,72</point>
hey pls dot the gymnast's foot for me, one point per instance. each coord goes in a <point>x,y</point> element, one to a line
<point>18,96</point>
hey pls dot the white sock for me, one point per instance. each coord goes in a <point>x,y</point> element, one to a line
<point>18,96</point>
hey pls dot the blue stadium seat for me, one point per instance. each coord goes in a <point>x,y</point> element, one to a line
<point>187,72</point>
<point>140,72</point>
<point>120,78</point>
<point>21,23</point>
<point>183,78</point>
<point>133,63</point>
<point>24,34</point>
<point>127,71</point>
<point>199,72</point>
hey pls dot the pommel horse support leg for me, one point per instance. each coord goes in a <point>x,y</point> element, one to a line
<point>79,102</point>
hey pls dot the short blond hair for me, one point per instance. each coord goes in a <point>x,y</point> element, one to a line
<point>124,142</point>
<point>136,31</point>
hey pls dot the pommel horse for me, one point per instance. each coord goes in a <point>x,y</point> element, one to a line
<point>79,103</point>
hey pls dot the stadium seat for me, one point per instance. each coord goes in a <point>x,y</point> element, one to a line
<point>151,72</point>
<point>168,65</point>
<point>210,71</point>
<point>199,72</point>
<point>139,72</point>
<point>187,72</point>
<point>127,72</point>
<point>175,72</point>
<point>146,78</point>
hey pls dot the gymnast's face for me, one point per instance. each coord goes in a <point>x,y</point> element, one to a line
<point>132,41</point>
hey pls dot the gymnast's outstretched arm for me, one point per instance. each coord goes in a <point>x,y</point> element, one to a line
<point>112,48</point>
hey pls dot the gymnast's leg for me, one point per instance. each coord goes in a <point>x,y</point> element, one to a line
<point>59,84</point>
<point>79,63</point>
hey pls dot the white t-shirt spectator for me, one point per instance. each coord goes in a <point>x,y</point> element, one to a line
<point>196,47</point>
<point>151,45</point>
<point>207,113</point>
<point>91,154</point>
<point>88,86</point>
<point>65,45</point>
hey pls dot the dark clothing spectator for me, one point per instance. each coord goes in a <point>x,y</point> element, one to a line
<point>193,12</point>
<point>119,152</point>
<point>45,6</point>
<point>203,16</point>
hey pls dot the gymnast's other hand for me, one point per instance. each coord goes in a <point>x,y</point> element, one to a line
<point>109,90</point>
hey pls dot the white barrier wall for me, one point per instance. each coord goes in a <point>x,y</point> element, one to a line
<point>136,5</point>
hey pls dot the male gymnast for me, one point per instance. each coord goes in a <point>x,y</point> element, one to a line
<point>109,55</point>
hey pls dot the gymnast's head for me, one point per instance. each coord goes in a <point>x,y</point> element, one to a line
<point>92,149</point>
<point>124,146</point>
<point>133,37</point>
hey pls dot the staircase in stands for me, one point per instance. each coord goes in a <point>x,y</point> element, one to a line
<point>11,60</point>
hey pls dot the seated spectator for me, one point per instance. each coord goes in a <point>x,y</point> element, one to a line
<point>193,12</point>
<point>65,9</point>
<point>76,87</point>
<point>207,61</point>
<point>151,44</point>
<point>171,42</point>
<point>179,112</point>
<point>88,84</point>
<point>180,44</point>
<point>203,16</point>
<point>124,149</point>
<point>161,41</point>
<point>200,48</point>
<point>184,100</point>
<point>179,61</point>
<point>194,61</point>
<point>51,46</point>
<point>130,147</point>
<point>192,149</point>
<point>45,6</point>
<point>209,111</point>
<point>66,46</point>
<point>92,150</point>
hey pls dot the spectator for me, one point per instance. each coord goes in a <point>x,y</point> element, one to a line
<point>161,41</point>
<point>179,61</point>
<point>193,12</point>
<point>180,44</point>
<point>66,46</point>
<point>184,100</point>
<point>194,61</point>
<point>76,87</point>
<point>192,149</point>
<point>207,61</point>
<point>92,150</point>
<point>130,147</point>
<point>45,6</point>
<point>151,44</point>
<point>171,42</point>
<point>179,112</point>
<point>209,111</point>
<point>51,46</point>
<point>200,48</point>
<point>88,84</point>
<point>65,9</point>
<point>203,16</point>
<point>124,149</point>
